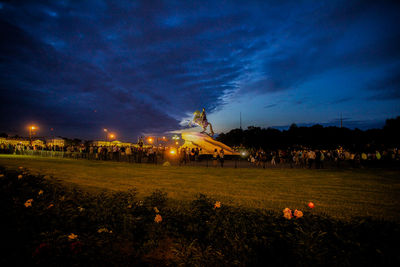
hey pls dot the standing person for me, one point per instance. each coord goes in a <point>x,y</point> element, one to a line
<point>215,157</point>
<point>221,157</point>
<point>317,159</point>
<point>128,153</point>
<point>321,159</point>
<point>273,163</point>
<point>311,158</point>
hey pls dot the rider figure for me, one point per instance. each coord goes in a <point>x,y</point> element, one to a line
<point>204,121</point>
<point>203,116</point>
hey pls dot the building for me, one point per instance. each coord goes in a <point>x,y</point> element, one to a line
<point>55,142</point>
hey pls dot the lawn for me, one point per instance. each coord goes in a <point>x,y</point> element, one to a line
<point>338,193</point>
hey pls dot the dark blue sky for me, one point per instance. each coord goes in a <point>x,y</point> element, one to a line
<point>144,67</point>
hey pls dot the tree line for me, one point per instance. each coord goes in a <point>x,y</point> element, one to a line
<point>314,136</point>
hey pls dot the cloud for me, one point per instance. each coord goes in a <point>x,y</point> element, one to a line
<point>387,87</point>
<point>144,65</point>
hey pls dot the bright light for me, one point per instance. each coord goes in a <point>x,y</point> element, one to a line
<point>176,143</point>
<point>150,140</point>
<point>112,136</point>
<point>172,151</point>
<point>105,130</point>
<point>243,153</point>
<point>33,127</point>
<point>163,137</point>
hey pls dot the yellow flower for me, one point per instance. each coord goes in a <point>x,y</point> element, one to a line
<point>217,205</point>
<point>298,214</point>
<point>20,176</point>
<point>287,213</point>
<point>158,218</point>
<point>40,192</point>
<point>104,230</point>
<point>72,236</point>
<point>28,203</point>
<point>156,210</point>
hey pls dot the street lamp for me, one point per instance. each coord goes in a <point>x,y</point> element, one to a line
<point>176,138</point>
<point>105,132</point>
<point>31,129</point>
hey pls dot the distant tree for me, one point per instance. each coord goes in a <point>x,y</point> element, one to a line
<point>72,142</point>
<point>392,131</point>
<point>293,127</point>
<point>3,135</point>
<point>314,136</point>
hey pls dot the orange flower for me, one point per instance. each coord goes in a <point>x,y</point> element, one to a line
<point>20,176</point>
<point>50,206</point>
<point>20,167</point>
<point>72,236</point>
<point>158,218</point>
<point>28,203</point>
<point>298,214</point>
<point>104,230</point>
<point>40,192</point>
<point>217,205</point>
<point>156,210</point>
<point>287,213</point>
<point>311,205</point>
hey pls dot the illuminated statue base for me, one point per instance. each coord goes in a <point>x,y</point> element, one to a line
<point>206,143</point>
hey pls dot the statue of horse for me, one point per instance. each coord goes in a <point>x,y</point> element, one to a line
<point>200,119</point>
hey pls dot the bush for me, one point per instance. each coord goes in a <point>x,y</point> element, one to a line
<point>45,222</point>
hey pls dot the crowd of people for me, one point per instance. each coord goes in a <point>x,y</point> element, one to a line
<point>137,153</point>
<point>316,158</point>
<point>294,158</point>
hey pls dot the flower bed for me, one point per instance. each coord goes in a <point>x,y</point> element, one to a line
<point>44,222</point>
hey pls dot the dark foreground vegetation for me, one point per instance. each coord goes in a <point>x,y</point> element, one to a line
<point>46,223</point>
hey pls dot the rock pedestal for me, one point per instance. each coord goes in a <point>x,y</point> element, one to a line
<point>206,143</point>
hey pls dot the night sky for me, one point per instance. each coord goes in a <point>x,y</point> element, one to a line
<point>145,67</point>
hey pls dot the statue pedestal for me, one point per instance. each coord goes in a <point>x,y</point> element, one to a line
<point>205,142</point>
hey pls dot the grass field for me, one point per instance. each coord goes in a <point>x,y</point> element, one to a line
<point>338,193</point>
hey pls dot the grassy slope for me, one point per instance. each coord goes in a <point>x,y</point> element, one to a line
<point>339,193</point>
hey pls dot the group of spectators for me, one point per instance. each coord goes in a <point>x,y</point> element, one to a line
<point>294,158</point>
<point>136,154</point>
<point>316,158</point>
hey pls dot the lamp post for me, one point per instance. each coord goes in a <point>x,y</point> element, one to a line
<point>31,129</point>
<point>105,132</point>
<point>111,136</point>
<point>176,138</point>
